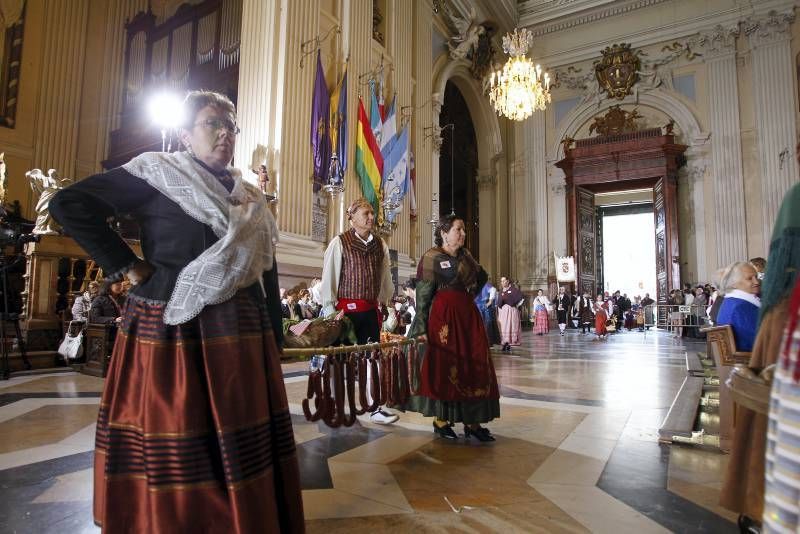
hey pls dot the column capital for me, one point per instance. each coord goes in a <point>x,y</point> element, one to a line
<point>771,28</point>
<point>719,41</point>
<point>486,181</point>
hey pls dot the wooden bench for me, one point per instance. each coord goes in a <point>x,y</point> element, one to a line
<point>721,345</point>
<point>99,343</point>
<point>694,367</point>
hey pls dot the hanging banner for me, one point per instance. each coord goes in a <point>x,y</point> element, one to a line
<point>565,268</point>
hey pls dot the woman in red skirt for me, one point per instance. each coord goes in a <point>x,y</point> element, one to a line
<point>457,382</point>
<point>600,318</point>
<point>541,322</point>
<point>194,432</point>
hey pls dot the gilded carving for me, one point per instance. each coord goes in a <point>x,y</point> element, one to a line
<point>587,254</point>
<point>615,121</point>
<point>618,70</point>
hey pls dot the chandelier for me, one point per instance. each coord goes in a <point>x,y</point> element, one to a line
<point>520,88</point>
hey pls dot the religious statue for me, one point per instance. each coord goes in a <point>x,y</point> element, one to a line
<point>468,35</point>
<point>263,178</point>
<point>483,56</point>
<point>566,143</point>
<point>46,187</point>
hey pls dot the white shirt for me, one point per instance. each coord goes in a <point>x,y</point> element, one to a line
<point>332,270</point>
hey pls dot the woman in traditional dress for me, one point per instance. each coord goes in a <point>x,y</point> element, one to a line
<point>541,321</point>
<point>194,432</point>
<point>600,317</point>
<point>457,382</point>
<point>743,489</point>
<point>508,314</point>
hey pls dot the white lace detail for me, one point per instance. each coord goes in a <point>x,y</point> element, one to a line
<point>241,220</point>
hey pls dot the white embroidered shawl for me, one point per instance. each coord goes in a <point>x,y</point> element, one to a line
<point>240,219</point>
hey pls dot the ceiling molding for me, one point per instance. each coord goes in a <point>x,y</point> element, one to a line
<point>649,35</point>
<point>574,13</point>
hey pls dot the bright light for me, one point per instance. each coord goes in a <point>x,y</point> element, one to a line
<point>166,110</point>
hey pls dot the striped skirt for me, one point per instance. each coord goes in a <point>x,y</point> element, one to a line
<point>541,322</point>
<point>194,432</point>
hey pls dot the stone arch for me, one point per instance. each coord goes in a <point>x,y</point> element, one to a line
<point>487,127</point>
<point>490,149</point>
<point>658,99</point>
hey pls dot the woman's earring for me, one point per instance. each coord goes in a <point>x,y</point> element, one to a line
<point>189,149</point>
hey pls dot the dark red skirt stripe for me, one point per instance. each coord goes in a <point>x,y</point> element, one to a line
<point>194,432</point>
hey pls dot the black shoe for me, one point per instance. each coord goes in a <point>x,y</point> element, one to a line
<point>445,431</point>
<point>481,433</point>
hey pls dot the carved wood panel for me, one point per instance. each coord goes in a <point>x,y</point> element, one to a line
<point>587,252</point>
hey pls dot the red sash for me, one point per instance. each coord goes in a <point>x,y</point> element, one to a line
<point>359,305</point>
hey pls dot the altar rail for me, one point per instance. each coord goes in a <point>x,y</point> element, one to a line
<point>332,385</point>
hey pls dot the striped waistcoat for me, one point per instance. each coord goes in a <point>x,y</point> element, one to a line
<point>361,267</point>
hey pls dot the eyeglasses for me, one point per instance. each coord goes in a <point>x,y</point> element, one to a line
<point>220,124</point>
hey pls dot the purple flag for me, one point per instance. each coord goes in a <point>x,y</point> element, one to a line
<point>320,135</point>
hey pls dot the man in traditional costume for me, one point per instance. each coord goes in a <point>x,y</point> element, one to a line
<point>563,305</point>
<point>356,278</point>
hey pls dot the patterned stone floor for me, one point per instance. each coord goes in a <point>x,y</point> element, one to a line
<point>576,451</point>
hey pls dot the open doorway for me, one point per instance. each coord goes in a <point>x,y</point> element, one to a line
<point>458,165</point>
<point>625,242</point>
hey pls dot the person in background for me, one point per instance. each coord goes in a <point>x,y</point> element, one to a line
<point>600,317</point>
<point>508,314</point>
<point>541,321</point>
<point>486,301</point>
<point>563,306</point>
<point>676,317</point>
<point>648,311</point>
<point>741,286</point>
<point>107,306</point>
<point>83,303</point>
<point>585,312</point>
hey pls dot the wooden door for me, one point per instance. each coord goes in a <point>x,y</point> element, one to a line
<point>662,248</point>
<point>586,246</point>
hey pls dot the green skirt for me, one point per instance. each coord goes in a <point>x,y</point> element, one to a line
<point>467,412</point>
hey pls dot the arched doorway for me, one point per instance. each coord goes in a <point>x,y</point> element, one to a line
<point>458,164</point>
<point>646,159</point>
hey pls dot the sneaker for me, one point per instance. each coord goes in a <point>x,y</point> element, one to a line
<point>382,417</point>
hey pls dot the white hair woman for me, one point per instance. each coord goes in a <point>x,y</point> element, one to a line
<point>194,432</point>
<point>741,286</point>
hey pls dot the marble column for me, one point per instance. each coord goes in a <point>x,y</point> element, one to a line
<point>486,180</point>
<point>56,132</point>
<point>773,93</point>
<point>726,146</point>
<point>294,167</point>
<point>422,119</point>
<point>535,219</point>
<point>558,215</point>
<point>261,65</point>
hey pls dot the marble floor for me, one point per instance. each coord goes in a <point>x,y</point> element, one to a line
<point>577,450</point>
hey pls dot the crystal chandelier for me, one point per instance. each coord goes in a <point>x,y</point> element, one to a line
<point>520,88</point>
